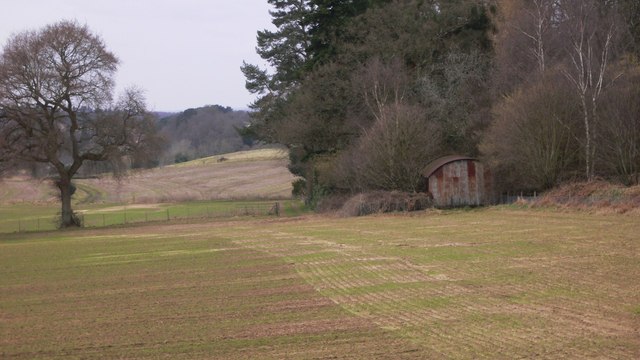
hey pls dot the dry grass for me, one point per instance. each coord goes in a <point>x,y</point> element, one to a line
<point>23,189</point>
<point>599,196</point>
<point>268,179</point>
<point>378,202</point>
<point>257,174</point>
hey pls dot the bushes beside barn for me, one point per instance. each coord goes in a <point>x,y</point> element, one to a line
<point>595,195</point>
<point>378,202</point>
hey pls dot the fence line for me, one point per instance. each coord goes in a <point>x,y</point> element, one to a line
<point>511,198</point>
<point>134,215</point>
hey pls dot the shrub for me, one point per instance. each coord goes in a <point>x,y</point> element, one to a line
<point>332,203</point>
<point>531,143</point>
<point>592,195</point>
<point>180,158</point>
<point>299,188</point>
<point>390,155</point>
<point>385,202</point>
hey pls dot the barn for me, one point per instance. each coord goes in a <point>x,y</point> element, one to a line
<point>458,181</point>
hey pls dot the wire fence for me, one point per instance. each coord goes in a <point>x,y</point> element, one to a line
<point>135,215</point>
<point>511,198</point>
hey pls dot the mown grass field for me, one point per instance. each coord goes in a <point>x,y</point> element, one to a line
<point>493,283</point>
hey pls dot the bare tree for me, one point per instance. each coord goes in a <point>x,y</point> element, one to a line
<point>526,43</point>
<point>382,85</point>
<point>591,36</point>
<point>398,141</point>
<point>56,107</point>
<point>619,142</point>
<point>396,148</point>
<point>540,17</point>
<point>531,143</point>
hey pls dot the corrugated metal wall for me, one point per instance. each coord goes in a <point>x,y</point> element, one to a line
<point>460,183</point>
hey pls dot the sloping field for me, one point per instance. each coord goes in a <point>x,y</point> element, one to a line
<point>495,283</point>
<point>22,189</point>
<point>243,175</point>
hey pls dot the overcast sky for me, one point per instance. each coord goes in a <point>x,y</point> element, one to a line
<point>183,53</point>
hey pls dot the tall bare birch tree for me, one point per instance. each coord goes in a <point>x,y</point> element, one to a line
<point>590,36</point>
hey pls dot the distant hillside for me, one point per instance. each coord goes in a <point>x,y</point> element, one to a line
<point>254,174</point>
<point>201,132</point>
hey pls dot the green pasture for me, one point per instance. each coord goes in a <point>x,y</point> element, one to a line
<point>42,217</point>
<point>496,283</point>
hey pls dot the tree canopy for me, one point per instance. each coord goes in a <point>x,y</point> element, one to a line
<point>367,63</point>
<point>57,106</point>
<point>535,88</point>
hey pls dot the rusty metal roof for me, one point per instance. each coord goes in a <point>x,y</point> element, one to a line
<point>436,164</point>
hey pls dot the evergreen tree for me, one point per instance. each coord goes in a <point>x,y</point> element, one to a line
<point>286,52</point>
<point>327,25</point>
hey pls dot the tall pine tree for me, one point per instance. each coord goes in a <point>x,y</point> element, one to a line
<point>285,50</point>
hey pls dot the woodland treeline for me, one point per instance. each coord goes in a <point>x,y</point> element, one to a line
<point>201,132</point>
<point>187,135</point>
<point>365,93</point>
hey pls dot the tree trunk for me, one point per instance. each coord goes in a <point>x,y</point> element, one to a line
<point>67,218</point>
<point>587,146</point>
<point>594,137</point>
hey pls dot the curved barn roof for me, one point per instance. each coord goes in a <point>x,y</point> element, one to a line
<point>436,164</point>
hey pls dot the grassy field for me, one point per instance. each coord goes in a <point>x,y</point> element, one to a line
<point>241,183</point>
<point>493,283</point>
<point>250,175</point>
<point>24,217</point>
